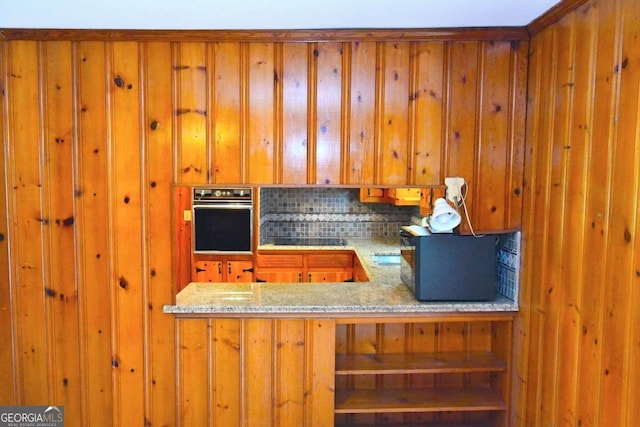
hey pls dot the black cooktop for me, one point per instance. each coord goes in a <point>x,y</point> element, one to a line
<point>310,241</point>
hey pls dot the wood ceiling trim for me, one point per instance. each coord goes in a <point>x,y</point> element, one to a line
<point>340,35</point>
<point>553,15</point>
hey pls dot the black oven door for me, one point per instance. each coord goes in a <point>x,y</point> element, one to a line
<point>222,228</point>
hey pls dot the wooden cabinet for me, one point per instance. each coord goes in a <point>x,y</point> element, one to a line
<point>330,276</point>
<point>396,196</point>
<point>207,271</point>
<point>404,196</point>
<point>334,267</point>
<point>305,266</point>
<point>275,275</point>
<point>372,195</point>
<point>239,271</point>
<point>222,271</point>
<point>286,268</point>
<point>442,378</point>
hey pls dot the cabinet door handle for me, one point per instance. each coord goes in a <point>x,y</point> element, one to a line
<point>200,270</point>
<point>229,267</point>
<point>300,277</point>
<point>309,276</point>
<point>220,267</point>
<point>248,270</point>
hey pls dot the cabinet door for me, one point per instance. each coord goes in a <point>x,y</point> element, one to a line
<point>207,271</point>
<point>404,196</point>
<point>372,195</point>
<point>329,261</point>
<point>345,275</point>
<point>280,261</point>
<point>277,275</point>
<point>239,271</point>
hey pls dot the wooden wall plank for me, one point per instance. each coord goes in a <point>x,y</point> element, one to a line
<point>394,153</point>
<point>580,73</point>
<point>427,121</point>
<point>329,121</point>
<point>289,371</point>
<point>160,288</point>
<point>228,153</point>
<point>596,210</point>
<point>94,226</point>
<point>261,127</point>
<point>294,113</point>
<point>524,322</point>
<point>557,132</point>
<point>541,206</point>
<point>129,278</point>
<point>226,359</point>
<point>193,344</point>
<point>570,73</point>
<point>59,193</point>
<point>190,109</point>
<point>517,127</point>
<point>25,202</point>
<point>7,376</point>
<point>622,211</point>
<point>460,146</point>
<point>362,153</point>
<point>258,374</point>
<point>493,154</point>
<point>320,381</point>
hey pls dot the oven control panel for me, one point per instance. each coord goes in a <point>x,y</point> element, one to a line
<point>208,195</point>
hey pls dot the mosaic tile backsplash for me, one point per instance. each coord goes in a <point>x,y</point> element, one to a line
<point>338,213</point>
<point>508,265</point>
<point>327,212</point>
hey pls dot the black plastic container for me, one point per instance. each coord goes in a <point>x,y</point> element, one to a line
<point>448,267</point>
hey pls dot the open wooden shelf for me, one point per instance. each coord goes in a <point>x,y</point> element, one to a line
<point>418,363</point>
<point>365,401</point>
<point>467,379</point>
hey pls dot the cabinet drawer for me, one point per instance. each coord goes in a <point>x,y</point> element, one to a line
<point>279,260</point>
<point>329,260</point>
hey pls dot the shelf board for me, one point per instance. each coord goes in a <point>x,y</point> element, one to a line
<point>415,363</point>
<point>366,401</point>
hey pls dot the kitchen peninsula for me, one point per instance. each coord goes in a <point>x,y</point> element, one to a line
<point>343,353</point>
<point>384,293</point>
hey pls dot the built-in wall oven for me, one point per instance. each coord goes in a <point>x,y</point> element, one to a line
<point>222,220</point>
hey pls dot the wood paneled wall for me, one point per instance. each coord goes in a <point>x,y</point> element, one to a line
<point>360,112</point>
<point>255,372</point>
<point>96,131</point>
<point>579,326</point>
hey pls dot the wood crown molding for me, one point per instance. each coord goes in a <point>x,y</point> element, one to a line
<point>338,35</point>
<point>553,15</point>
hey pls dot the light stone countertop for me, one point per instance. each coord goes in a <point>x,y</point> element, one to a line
<point>385,294</point>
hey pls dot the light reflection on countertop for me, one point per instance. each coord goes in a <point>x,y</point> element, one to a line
<point>384,294</point>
